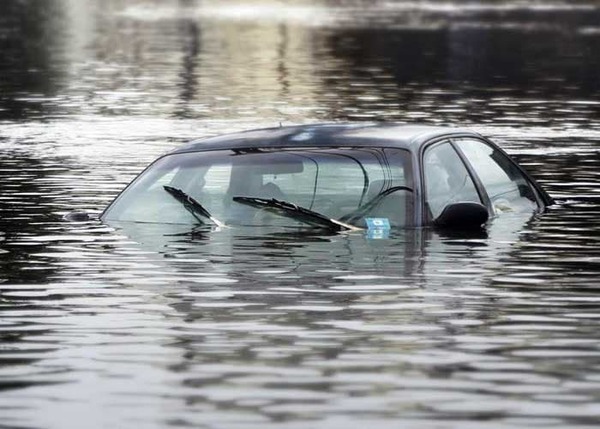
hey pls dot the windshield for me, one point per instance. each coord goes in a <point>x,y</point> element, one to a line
<point>350,183</point>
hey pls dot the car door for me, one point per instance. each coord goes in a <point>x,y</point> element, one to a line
<point>505,184</point>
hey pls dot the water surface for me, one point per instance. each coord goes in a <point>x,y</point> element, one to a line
<point>132,325</point>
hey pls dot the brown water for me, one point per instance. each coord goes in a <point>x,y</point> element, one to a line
<point>138,326</point>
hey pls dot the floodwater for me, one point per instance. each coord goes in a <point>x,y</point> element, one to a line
<point>135,326</point>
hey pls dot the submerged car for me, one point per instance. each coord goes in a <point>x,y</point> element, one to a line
<point>334,176</point>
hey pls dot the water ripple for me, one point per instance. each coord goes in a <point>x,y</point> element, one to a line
<point>146,325</point>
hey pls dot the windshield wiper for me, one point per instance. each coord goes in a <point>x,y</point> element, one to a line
<point>284,208</point>
<point>372,203</point>
<point>191,205</point>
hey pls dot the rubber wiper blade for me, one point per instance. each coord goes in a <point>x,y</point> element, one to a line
<point>284,208</point>
<point>191,205</point>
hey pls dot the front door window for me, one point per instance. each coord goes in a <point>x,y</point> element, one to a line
<point>446,179</point>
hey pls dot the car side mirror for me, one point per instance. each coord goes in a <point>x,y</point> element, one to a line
<point>462,215</point>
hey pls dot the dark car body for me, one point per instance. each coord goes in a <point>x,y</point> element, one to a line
<point>437,162</point>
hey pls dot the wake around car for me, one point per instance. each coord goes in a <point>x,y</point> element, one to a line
<point>334,176</point>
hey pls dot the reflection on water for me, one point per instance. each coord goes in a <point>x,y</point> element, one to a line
<point>129,324</point>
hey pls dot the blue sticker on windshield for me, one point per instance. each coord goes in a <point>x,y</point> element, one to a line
<point>378,222</point>
<point>378,227</point>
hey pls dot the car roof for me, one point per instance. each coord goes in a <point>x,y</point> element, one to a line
<point>409,137</point>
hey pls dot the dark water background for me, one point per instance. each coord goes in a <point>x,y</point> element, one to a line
<point>138,327</point>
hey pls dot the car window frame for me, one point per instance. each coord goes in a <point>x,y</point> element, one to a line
<point>543,198</point>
